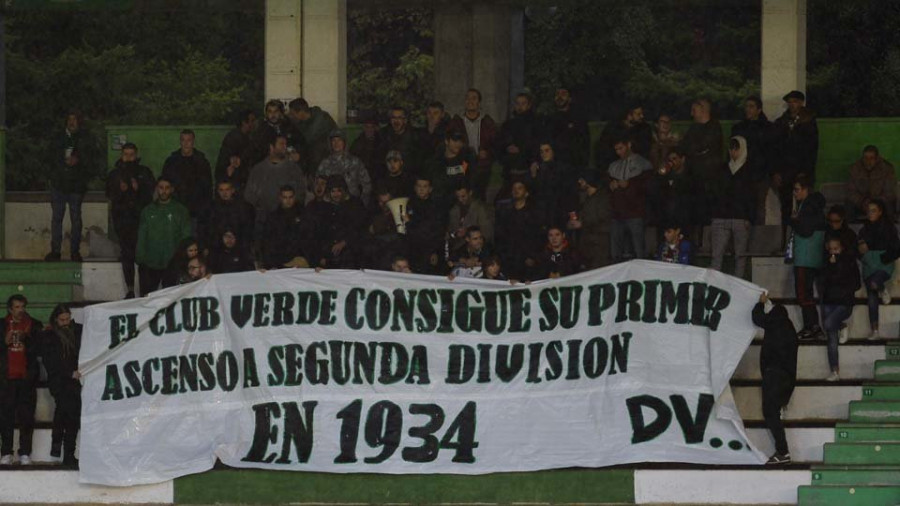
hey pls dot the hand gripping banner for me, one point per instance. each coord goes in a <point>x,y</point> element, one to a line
<point>351,371</point>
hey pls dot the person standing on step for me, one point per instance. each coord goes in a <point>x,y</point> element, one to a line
<point>778,367</point>
<point>19,372</point>
<point>808,247</point>
<point>129,188</point>
<point>61,344</point>
<point>878,247</point>
<point>840,281</point>
<point>68,184</point>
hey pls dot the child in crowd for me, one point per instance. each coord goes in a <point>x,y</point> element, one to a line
<point>490,269</point>
<point>840,280</point>
<point>675,248</point>
<point>878,248</point>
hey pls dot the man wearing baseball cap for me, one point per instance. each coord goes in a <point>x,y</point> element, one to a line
<point>797,141</point>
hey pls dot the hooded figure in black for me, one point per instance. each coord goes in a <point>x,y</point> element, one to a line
<point>778,365</point>
<point>61,344</point>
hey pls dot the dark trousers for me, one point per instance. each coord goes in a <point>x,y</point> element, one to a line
<point>66,418</point>
<point>127,233</point>
<point>18,398</point>
<point>151,279</point>
<point>804,284</point>
<point>777,387</point>
<point>58,203</point>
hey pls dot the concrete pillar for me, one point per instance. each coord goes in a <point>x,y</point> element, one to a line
<point>473,47</point>
<point>325,56</point>
<point>306,53</point>
<point>783,52</point>
<point>284,22</point>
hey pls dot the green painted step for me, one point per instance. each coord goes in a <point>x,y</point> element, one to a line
<point>41,311</point>
<point>861,432</point>
<point>855,475</point>
<point>38,292</point>
<point>40,272</point>
<point>844,495</point>
<point>236,486</point>
<point>881,391</point>
<point>887,370</point>
<point>872,453</point>
<point>875,411</point>
<point>892,350</point>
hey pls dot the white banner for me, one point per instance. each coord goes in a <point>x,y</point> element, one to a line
<point>349,371</point>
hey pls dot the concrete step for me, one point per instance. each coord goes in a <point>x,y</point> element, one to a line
<point>875,411</point>
<point>856,359</point>
<point>718,486</point>
<point>848,495</point>
<point>865,453</point>
<point>49,486</point>
<point>881,392</point>
<point>805,443</point>
<point>807,403</point>
<point>866,432</point>
<point>892,350</point>
<point>887,370</point>
<point>855,475</point>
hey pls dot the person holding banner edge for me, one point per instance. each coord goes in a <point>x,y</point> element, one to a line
<point>778,365</point>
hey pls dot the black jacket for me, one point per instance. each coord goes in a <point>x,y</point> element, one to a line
<point>811,217</point>
<point>288,234</point>
<point>798,142</point>
<point>881,236</point>
<point>235,143</point>
<point>59,365</point>
<point>779,348</point>
<point>235,214</point>
<point>523,131</point>
<point>192,178</point>
<point>126,206</point>
<point>224,260</point>
<point>840,280</point>
<point>759,134</point>
<point>732,196</point>
<point>571,139</point>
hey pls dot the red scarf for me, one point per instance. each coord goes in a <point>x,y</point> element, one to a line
<point>17,361</point>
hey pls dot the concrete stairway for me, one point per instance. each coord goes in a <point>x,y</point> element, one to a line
<point>862,466</point>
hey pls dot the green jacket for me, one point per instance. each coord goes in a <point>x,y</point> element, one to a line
<point>810,251</point>
<point>162,227</point>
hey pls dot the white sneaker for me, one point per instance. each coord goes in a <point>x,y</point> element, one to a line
<point>25,460</point>
<point>844,335</point>
<point>834,376</point>
<point>6,460</point>
<point>875,335</point>
<point>885,296</point>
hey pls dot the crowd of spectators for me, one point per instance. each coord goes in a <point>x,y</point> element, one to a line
<point>289,190</point>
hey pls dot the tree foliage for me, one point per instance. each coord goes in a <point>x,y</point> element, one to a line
<point>662,54</point>
<point>176,66</point>
<point>390,60</point>
<point>853,57</point>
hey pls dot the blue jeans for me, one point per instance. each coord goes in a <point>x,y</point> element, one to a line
<point>874,285</point>
<point>635,229</point>
<point>833,315</point>
<point>58,203</point>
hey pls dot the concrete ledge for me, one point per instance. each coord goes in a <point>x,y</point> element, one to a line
<point>54,487</point>
<point>709,486</point>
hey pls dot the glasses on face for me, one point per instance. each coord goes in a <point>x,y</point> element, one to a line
<point>797,189</point>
